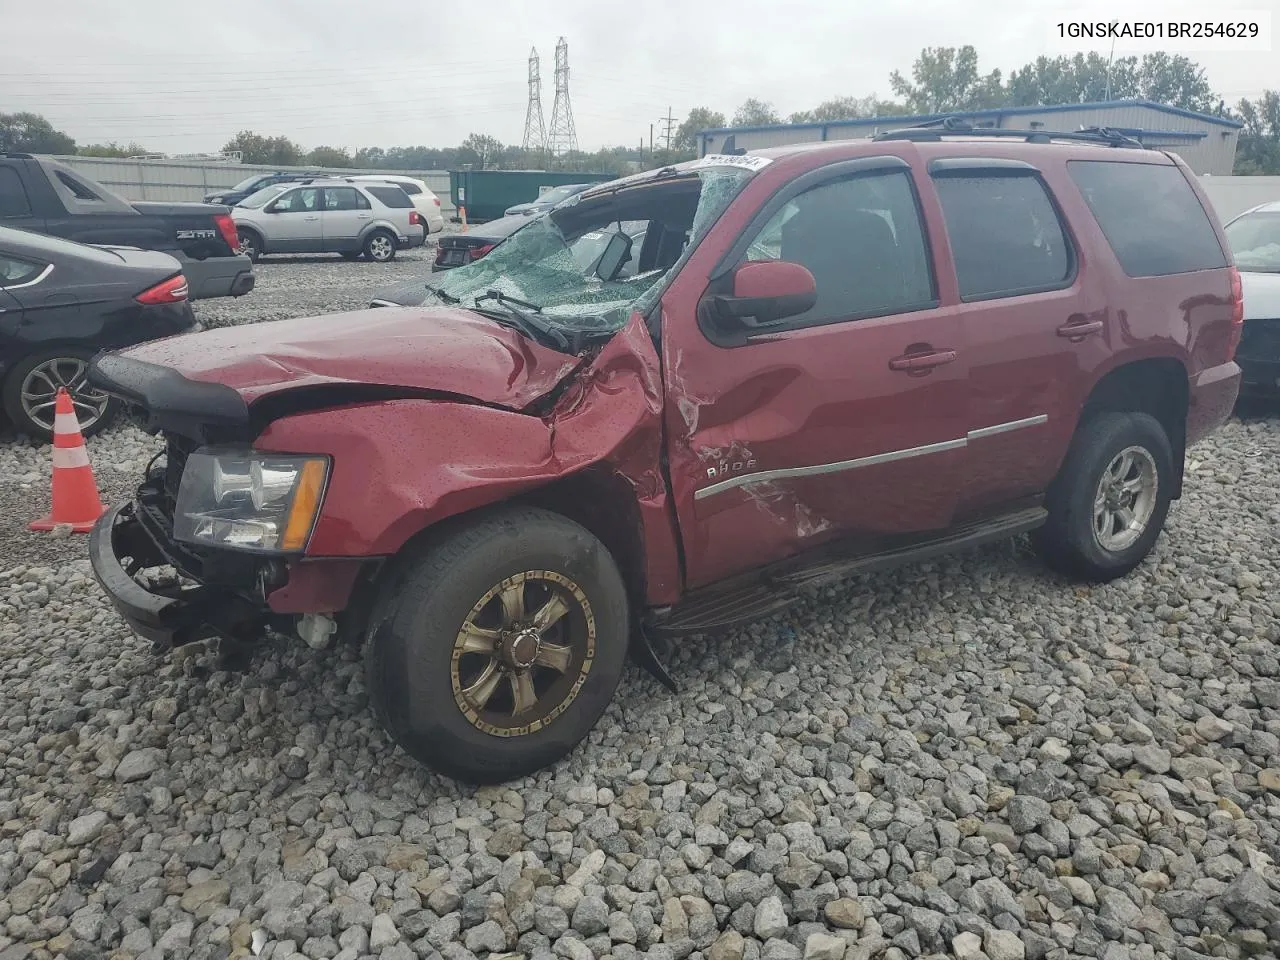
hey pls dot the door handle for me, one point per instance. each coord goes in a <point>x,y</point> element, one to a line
<point>922,361</point>
<point>310,218</point>
<point>364,216</point>
<point>1079,329</point>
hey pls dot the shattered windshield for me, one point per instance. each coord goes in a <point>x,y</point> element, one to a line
<point>582,268</point>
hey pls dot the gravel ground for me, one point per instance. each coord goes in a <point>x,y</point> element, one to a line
<point>968,758</point>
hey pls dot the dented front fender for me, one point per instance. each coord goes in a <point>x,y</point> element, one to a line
<point>403,465</point>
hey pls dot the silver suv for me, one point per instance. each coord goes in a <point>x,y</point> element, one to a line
<point>330,215</point>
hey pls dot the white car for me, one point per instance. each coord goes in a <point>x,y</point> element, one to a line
<point>331,215</point>
<point>1255,246</point>
<point>424,199</point>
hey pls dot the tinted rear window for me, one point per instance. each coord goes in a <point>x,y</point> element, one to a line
<point>391,196</point>
<point>1150,216</point>
<point>410,188</point>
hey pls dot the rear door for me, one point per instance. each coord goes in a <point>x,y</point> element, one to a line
<point>346,212</point>
<point>293,222</point>
<point>845,422</point>
<point>1034,321</point>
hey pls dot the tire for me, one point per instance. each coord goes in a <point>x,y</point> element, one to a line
<point>417,670</point>
<point>380,246</point>
<point>31,385</point>
<point>250,244</point>
<point>1078,540</point>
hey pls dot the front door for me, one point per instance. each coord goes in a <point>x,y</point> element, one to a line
<point>293,225</point>
<point>347,211</point>
<point>847,421</point>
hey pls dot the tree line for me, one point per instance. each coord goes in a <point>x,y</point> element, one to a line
<point>941,80</point>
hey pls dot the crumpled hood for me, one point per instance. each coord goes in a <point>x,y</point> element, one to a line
<point>429,349</point>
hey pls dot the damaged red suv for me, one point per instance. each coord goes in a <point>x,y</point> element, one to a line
<point>664,406</point>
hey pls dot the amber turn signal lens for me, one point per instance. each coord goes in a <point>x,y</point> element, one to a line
<point>305,505</point>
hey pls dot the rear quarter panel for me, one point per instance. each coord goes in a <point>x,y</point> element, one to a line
<point>1184,317</point>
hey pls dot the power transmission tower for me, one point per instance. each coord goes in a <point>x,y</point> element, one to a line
<point>563,138</point>
<point>669,120</point>
<point>535,131</point>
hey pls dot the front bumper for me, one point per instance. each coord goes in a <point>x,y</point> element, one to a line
<point>171,618</point>
<point>238,594</point>
<point>217,276</point>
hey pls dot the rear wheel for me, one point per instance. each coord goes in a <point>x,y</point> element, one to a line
<point>1109,501</point>
<point>495,651</point>
<point>380,247</point>
<point>31,390</point>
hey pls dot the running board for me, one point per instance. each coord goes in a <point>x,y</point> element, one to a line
<point>745,600</point>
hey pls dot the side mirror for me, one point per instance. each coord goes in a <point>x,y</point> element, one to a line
<point>616,253</point>
<point>767,291</point>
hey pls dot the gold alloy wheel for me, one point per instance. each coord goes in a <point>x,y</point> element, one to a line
<point>523,653</point>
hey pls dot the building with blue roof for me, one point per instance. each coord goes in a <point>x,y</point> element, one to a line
<point>1207,143</point>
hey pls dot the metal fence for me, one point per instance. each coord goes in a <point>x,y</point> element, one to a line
<point>189,181</point>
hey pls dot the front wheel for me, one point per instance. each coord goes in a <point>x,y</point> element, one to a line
<point>1109,502</point>
<point>250,245</point>
<point>380,247</point>
<point>496,650</point>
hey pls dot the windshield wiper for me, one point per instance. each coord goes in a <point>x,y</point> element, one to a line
<point>440,293</point>
<point>501,297</point>
<point>529,324</point>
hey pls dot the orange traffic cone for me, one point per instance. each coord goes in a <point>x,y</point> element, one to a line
<point>75,494</point>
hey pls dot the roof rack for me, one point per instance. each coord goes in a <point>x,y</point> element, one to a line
<point>933,130</point>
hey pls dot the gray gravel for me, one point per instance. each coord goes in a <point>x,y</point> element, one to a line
<point>969,758</point>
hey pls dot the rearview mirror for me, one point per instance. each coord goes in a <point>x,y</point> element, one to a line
<point>767,291</point>
<point>616,253</point>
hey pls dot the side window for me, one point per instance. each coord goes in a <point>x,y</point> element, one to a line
<point>1005,235</point>
<point>13,195</point>
<point>14,272</point>
<point>1150,216</point>
<point>78,190</point>
<point>862,240</point>
<point>299,201</point>
<point>412,189</point>
<point>344,198</point>
<point>392,197</point>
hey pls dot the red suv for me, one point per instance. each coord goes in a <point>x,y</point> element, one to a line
<point>663,406</point>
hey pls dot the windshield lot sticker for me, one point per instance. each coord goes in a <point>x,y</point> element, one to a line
<point>732,160</point>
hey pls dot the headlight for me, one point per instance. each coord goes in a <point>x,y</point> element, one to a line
<point>260,502</point>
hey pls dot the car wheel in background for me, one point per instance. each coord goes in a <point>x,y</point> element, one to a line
<point>250,244</point>
<point>31,388</point>
<point>380,247</point>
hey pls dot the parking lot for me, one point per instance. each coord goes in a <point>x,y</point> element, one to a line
<point>966,746</point>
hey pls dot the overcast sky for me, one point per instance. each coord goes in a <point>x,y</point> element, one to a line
<point>184,77</point>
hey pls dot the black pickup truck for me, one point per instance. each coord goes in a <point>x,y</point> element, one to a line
<point>44,196</point>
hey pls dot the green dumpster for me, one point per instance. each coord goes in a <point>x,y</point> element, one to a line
<point>487,193</point>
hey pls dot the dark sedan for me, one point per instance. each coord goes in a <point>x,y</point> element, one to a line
<point>547,200</point>
<point>459,249</point>
<point>60,303</point>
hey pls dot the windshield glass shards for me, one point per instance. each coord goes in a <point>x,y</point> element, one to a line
<point>583,267</point>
